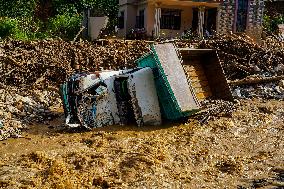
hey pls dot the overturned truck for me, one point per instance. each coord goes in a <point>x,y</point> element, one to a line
<point>111,97</point>
<point>168,84</point>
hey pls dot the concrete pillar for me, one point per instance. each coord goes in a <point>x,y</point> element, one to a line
<point>218,19</point>
<point>157,26</point>
<point>201,11</point>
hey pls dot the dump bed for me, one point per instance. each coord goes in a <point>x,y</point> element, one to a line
<point>185,77</point>
<point>205,74</point>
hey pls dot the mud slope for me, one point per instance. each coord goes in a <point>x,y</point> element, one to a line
<point>244,151</point>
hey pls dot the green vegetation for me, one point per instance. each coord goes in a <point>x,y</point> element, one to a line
<point>273,16</point>
<point>64,26</point>
<point>271,23</point>
<point>39,19</point>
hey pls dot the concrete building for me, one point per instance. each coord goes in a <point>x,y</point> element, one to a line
<point>170,18</point>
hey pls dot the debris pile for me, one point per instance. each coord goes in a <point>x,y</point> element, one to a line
<point>19,107</point>
<point>242,57</point>
<point>215,109</point>
<point>268,90</point>
<point>254,69</point>
<point>29,64</point>
<point>31,73</point>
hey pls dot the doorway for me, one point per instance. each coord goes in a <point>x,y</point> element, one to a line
<point>242,12</point>
<point>210,18</point>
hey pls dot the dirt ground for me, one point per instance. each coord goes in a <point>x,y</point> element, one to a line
<point>242,151</point>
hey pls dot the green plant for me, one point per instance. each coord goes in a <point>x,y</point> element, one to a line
<point>270,24</point>
<point>65,26</point>
<point>39,19</point>
<point>8,27</point>
<point>17,8</point>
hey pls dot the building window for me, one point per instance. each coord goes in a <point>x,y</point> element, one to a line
<point>171,19</point>
<point>242,13</point>
<point>121,20</point>
<point>140,19</point>
<point>210,20</point>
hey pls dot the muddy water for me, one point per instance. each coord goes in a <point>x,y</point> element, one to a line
<point>245,151</point>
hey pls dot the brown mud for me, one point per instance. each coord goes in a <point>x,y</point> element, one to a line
<point>242,151</point>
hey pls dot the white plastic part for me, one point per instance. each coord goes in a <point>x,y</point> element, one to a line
<point>144,97</point>
<point>111,99</point>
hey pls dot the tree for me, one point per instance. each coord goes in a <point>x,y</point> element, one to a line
<point>51,18</point>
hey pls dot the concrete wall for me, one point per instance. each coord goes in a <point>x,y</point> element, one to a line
<point>130,12</point>
<point>123,2</point>
<point>96,24</point>
<point>150,11</point>
<point>254,18</point>
<point>281,29</point>
<point>226,21</point>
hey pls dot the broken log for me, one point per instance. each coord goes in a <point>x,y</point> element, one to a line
<point>255,80</point>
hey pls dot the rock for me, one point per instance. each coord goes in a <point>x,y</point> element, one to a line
<point>281,84</point>
<point>256,68</point>
<point>279,67</point>
<point>19,105</point>
<point>279,89</point>
<point>237,93</point>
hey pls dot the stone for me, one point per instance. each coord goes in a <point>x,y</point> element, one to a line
<point>281,84</point>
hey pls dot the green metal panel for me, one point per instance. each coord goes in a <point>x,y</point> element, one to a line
<point>64,97</point>
<point>168,102</point>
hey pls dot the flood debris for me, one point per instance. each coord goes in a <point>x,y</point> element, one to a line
<point>136,95</point>
<point>20,108</point>
<point>242,57</point>
<point>259,87</point>
<point>42,66</point>
<point>214,109</point>
<point>254,70</point>
<point>31,73</point>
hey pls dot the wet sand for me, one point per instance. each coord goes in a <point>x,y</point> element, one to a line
<point>242,151</point>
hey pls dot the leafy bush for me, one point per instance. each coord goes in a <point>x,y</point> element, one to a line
<point>22,29</point>
<point>65,26</point>
<point>39,19</point>
<point>17,8</point>
<point>8,27</point>
<point>104,7</point>
<point>270,24</point>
